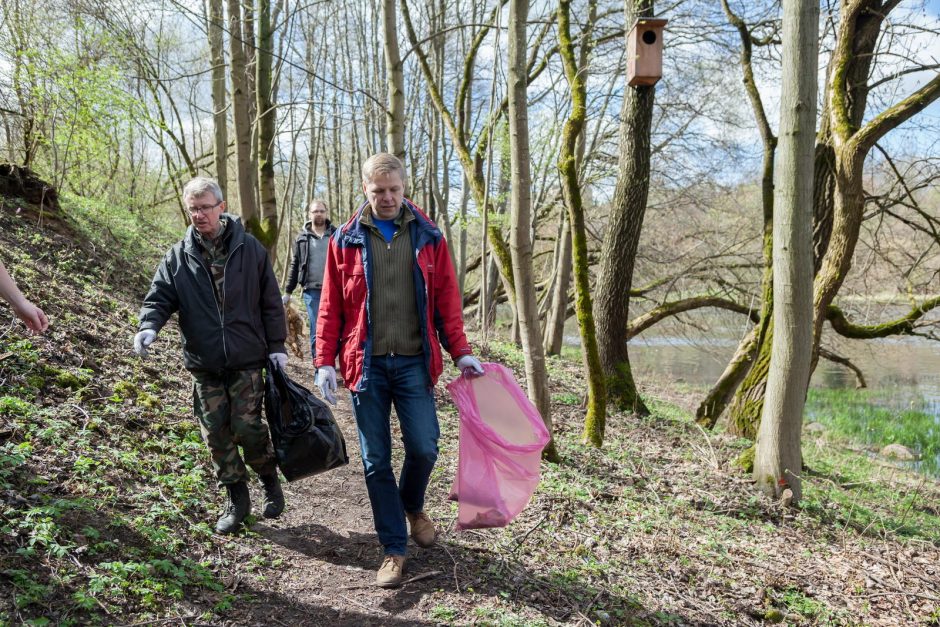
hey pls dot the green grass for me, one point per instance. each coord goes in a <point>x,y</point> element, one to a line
<point>874,418</point>
<point>849,490</point>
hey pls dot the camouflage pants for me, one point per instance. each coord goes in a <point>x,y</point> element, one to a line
<point>228,407</point>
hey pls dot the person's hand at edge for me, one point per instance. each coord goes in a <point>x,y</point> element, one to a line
<point>326,381</point>
<point>34,317</point>
<point>285,299</point>
<point>470,366</point>
<point>142,342</point>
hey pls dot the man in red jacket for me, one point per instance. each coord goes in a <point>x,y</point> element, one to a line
<point>389,303</point>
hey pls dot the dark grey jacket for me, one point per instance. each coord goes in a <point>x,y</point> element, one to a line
<point>298,265</point>
<point>252,324</point>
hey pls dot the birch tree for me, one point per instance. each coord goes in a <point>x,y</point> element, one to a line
<point>395,104</point>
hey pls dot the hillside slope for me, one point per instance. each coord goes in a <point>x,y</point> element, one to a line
<point>108,499</point>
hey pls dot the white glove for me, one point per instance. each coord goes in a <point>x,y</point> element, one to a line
<point>142,342</point>
<point>279,359</point>
<point>326,381</point>
<point>285,299</point>
<point>470,366</point>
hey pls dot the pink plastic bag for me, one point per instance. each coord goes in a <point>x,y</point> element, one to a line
<point>501,440</point>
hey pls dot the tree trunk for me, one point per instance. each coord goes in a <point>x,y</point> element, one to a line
<point>215,29</point>
<point>265,227</point>
<point>742,382</point>
<point>520,202</point>
<point>723,391</point>
<point>838,198</point>
<point>462,239</point>
<point>777,458</point>
<point>596,417</point>
<point>553,334</point>
<point>471,166</point>
<point>622,238</point>
<point>395,111</point>
<point>558,313</point>
<point>241,97</point>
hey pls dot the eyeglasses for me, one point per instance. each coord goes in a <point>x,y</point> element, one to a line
<point>193,211</point>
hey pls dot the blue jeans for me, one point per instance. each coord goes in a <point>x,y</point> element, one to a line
<point>312,301</point>
<point>404,381</point>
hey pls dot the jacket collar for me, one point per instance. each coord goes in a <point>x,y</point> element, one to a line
<point>354,233</point>
<point>235,231</point>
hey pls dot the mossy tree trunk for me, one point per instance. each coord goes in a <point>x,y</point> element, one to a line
<point>241,116</point>
<point>595,420</point>
<point>743,378</point>
<point>553,333</point>
<point>265,226</point>
<point>622,238</point>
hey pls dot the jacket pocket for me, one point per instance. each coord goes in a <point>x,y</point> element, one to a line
<point>354,289</point>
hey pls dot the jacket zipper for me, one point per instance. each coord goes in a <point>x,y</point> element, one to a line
<point>218,307</point>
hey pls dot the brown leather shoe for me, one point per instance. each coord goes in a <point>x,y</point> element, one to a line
<point>389,575</point>
<point>422,529</point>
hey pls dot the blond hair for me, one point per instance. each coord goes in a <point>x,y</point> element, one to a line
<point>382,163</point>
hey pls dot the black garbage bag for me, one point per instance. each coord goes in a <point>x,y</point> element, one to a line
<point>305,435</point>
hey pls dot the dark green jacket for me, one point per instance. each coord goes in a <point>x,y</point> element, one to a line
<point>252,324</point>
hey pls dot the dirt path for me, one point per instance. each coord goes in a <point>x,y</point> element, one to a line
<point>326,550</point>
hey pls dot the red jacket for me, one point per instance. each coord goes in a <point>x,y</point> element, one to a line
<point>344,323</point>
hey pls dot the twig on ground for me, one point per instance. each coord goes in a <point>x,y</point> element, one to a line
<point>365,607</point>
<point>427,575</point>
<point>881,560</point>
<point>451,556</point>
<point>164,621</point>
<point>525,536</point>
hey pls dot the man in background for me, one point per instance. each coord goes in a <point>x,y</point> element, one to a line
<point>306,267</point>
<point>219,279</point>
<point>390,301</point>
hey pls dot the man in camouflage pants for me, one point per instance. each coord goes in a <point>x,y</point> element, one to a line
<point>219,280</point>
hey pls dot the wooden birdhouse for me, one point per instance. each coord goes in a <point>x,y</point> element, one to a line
<point>645,51</point>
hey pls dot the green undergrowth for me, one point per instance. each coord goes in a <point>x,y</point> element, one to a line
<point>105,488</point>
<point>850,490</point>
<point>877,418</point>
<point>139,236</point>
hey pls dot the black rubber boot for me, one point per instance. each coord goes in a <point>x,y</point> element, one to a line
<point>273,496</point>
<point>237,506</point>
